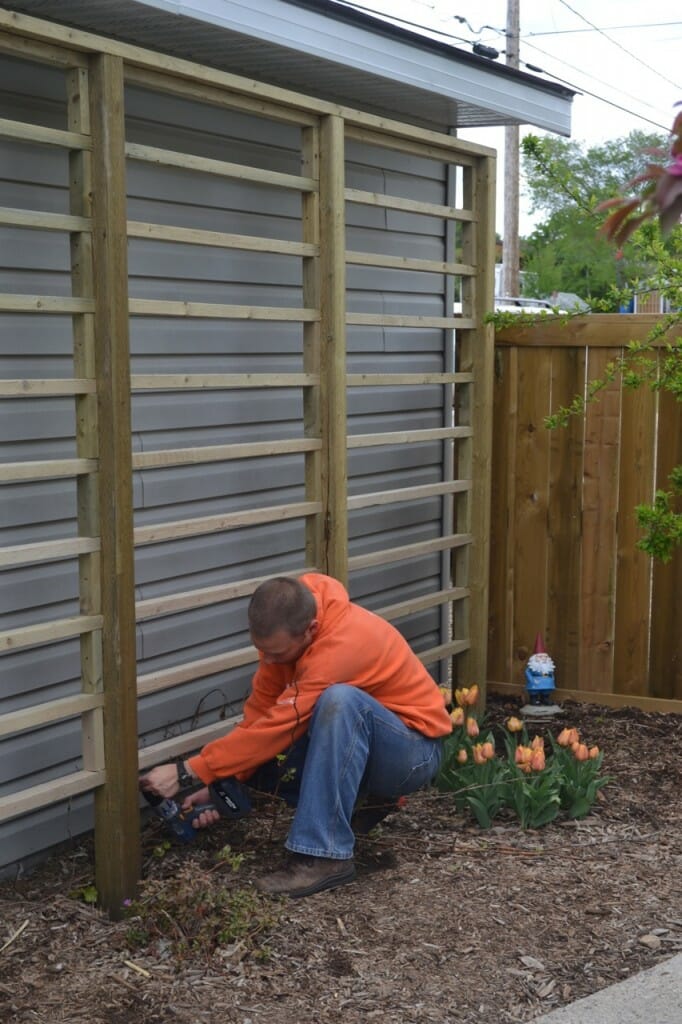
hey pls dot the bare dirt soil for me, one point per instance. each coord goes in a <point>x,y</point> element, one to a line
<point>445,923</point>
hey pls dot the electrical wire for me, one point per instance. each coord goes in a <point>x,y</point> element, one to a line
<point>619,45</point>
<point>604,28</point>
<point>587,92</point>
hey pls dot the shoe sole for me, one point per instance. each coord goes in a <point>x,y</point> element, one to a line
<point>328,883</point>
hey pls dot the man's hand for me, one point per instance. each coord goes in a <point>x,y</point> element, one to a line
<point>162,780</point>
<point>206,818</point>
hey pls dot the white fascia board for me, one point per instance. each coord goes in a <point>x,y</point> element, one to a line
<point>339,42</point>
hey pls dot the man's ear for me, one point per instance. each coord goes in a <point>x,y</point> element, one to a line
<point>313,628</point>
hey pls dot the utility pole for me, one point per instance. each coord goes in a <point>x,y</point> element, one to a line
<point>510,244</point>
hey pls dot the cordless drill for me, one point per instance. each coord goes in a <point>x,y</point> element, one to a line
<point>228,796</point>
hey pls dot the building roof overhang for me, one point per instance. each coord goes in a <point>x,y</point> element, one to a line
<point>330,51</point>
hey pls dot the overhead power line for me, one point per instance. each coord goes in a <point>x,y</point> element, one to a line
<point>619,45</point>
<point>604,28</point>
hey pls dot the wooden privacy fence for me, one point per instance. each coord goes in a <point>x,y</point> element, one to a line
<point>103,465</point>
<point>564,560</point>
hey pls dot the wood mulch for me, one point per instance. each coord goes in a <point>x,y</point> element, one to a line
<point>445,923</point>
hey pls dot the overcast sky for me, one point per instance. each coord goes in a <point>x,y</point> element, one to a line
<point>634,62</point>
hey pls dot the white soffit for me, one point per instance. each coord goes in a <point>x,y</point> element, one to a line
<point>325,50</point>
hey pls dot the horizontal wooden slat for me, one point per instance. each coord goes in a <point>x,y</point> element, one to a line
<point>404,320</point>
<point>407,494</point>
<point>34,388</point>
<point>187,672</point>
<point>443,651</point>
<point>11,472</point>
<point>205,93</point>
<point>399,554</point>
<point>221,452</point>
<point>222,381</point>
<point>361,380</point>
<point>47,550</point>
<point>596,330</point>
<point>170,158</point>
<point>45,304</point>
<point>48,632</point>
<point>49,793</point>
<point>43,221</point>
<point>355,195</point>
<point>609,700</point>
<point>186,743</point>
<point>408,436</point>
<point>31,49</point>
<point>419,604</point>
<point>225,311</point>
<point>51,711</point>
<point>46,136</point>
<point>229,521</point>
<point>169,604</point>
<point>377,133</point>
<point>220,239</point>
<point>373,259</point>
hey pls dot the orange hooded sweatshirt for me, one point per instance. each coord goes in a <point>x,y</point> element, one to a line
<point>352,646</point>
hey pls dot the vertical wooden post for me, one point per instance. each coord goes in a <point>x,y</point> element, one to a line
<point>475,408</point>
<point>117,820</point>
<point>82,284</point>
<point>334,468</point>
<point>312,424</point>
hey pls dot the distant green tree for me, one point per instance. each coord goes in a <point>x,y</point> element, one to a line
<point>568,182</point>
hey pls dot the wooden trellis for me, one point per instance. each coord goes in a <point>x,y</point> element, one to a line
<point>99,307</point>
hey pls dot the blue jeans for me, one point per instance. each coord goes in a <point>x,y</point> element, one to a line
<point>354,746</point>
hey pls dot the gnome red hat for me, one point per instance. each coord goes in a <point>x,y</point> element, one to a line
<point>539,645</point>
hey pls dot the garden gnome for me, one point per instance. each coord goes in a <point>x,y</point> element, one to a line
<point>539,674</point>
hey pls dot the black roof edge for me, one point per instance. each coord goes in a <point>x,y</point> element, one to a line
<point>342,11</point>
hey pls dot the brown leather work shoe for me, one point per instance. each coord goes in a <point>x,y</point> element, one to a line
<point>304,876</point>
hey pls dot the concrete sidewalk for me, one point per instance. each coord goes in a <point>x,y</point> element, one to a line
<point>651,997</point>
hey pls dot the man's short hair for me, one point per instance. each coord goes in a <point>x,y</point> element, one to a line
<point>281,603</point>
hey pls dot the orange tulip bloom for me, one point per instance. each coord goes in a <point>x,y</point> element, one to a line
<point>489,750</point>
<point>538,743</point>
<point>467,696</point>
<point>479,755</point>
<point>523,755</point>
<point>457,716</point>
<point>472,728</point>
<point>446,694</point>
<point>537,761</point>
<point>567,737</point>
<point>462,756</point>
<point>594,752</point>
<point>514,725</point>
<point>580,752</point>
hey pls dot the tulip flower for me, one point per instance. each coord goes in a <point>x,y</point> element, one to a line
<point>522,755</point>
<point>567,737</point>
<point>462,756</point>
<point>594,752</point>
<point>467,696</point>
<point>580,752</point>
<point>537,761</point>
<point>479,754</point>
<point>446,694</point>
<point>457,716</point>
<point>538,743</point>
<point>514,725</point>
<point>489,750</point>
<point>472,728</point>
